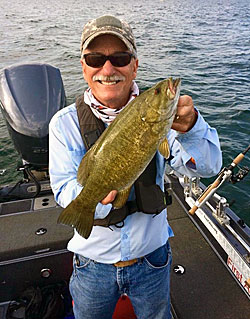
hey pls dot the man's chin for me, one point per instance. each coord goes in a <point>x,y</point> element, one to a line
<point>109,91</point>
<point>111,100</point>
<point>111,95</point>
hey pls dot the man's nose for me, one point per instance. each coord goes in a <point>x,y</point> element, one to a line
<point>108,68</point>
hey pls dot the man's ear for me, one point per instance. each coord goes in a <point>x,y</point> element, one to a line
<point>135,68</point>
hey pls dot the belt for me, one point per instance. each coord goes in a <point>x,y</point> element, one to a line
<point>127,262</point>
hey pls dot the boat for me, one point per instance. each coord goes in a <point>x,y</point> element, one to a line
<point>210,271</point>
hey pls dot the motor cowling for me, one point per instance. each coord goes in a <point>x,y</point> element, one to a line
<point>30,94</point>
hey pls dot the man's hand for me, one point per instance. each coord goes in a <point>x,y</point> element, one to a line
<point>109,198</point>
<point>186,115</point>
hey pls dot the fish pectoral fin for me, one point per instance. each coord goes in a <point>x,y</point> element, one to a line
<point>121,198</point>
<point>164,148</point>
<point>84,168</point>
<point>79,216</point>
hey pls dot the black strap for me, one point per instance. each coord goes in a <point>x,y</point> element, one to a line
<point>116,216</point>
<point>90,126</point>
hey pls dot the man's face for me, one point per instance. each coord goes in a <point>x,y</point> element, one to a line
<point>113,94</point>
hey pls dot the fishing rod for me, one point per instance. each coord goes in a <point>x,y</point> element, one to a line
<point>225,174</point>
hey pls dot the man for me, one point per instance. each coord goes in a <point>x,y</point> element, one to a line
<point>133,257</point>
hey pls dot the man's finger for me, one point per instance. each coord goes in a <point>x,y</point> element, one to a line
<point>109,198</point>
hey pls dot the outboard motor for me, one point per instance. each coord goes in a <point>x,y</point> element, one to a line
<point>30,94</point>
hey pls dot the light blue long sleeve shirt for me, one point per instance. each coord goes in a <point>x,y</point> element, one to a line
<point>141,233</point>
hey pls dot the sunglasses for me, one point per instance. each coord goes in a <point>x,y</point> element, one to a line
<point>97,60</point>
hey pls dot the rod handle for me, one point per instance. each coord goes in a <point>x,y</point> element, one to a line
<point>238,158</point>
<point>193,210</point>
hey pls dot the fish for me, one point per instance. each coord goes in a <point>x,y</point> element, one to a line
<point>122,153</point>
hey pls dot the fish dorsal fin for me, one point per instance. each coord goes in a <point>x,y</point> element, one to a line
<point>121,198</point>
<point>164,148</point>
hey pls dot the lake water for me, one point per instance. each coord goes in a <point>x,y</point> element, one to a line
<point>205,42</point>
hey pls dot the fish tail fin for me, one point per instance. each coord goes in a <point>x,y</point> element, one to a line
<point>79,216</point>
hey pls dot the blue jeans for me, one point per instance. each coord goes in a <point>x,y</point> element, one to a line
<point>96,287</point>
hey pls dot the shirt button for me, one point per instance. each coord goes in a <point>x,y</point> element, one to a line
<point>124,236</point>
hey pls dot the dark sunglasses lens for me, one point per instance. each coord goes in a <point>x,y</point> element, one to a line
<point>120,59</point>
<point>95,60</point>
<point>117,59</point>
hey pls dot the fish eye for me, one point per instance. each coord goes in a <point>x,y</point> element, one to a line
<point>157,91</point>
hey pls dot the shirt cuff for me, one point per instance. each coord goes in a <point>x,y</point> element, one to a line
<point>197,132</point>
<point>191,141</point>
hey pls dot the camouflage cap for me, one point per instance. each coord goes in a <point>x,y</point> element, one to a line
<point>108,25</point>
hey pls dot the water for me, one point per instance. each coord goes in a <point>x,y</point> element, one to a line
<point>205,42</point>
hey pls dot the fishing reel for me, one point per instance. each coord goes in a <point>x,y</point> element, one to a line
<point>242,173</point>
<point>225,174</point>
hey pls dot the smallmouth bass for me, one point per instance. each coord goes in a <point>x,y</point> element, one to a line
<point>122,153</point>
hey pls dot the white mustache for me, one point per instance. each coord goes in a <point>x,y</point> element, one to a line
<point>107,78</point>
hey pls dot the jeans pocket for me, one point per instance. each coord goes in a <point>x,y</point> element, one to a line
<point>160,257</point>
<point>79,263</point>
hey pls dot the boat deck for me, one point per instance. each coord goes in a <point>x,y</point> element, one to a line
<point>205,289</point>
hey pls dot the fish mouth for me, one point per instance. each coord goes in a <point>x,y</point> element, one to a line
<point>174,91</point>
<point>174,108</point>
<point>173,88</point>
<point>108,80</point>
